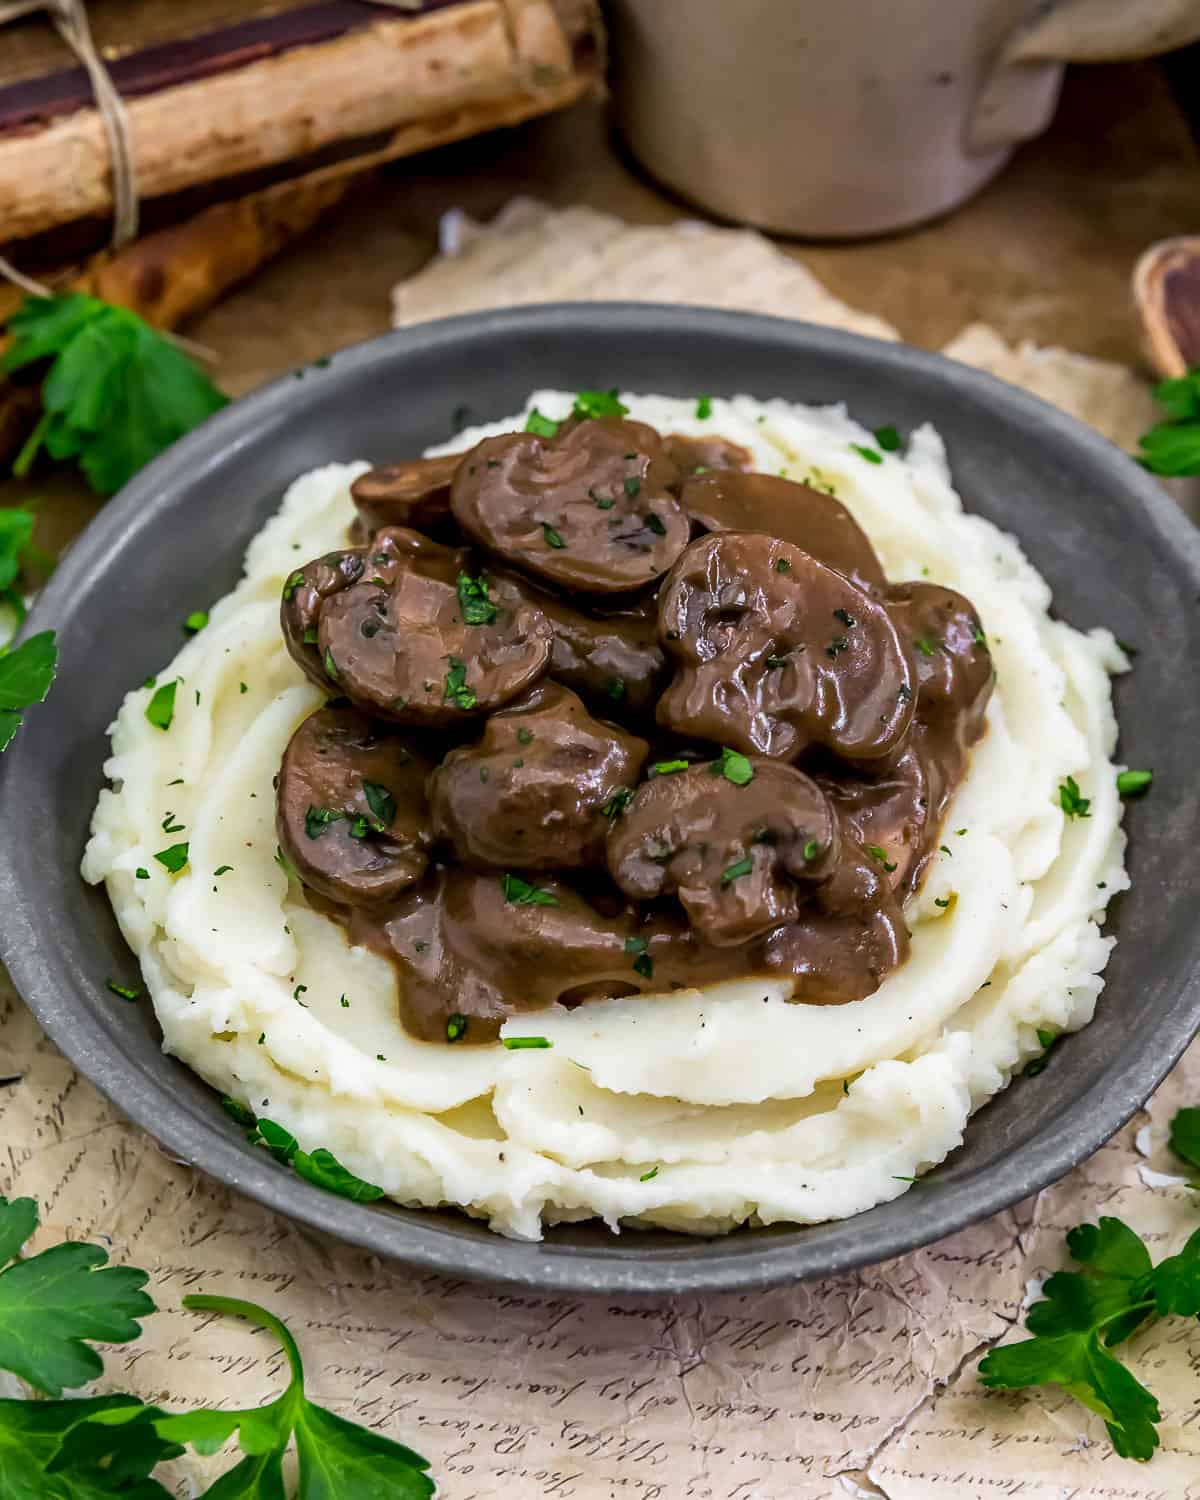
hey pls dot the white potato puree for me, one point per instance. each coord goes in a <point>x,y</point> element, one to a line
<point>695,1111</point>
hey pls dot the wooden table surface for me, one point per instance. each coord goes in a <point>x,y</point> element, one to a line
<point>1045,252</point>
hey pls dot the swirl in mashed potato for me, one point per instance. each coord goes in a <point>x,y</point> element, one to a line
<point>705,1108</point>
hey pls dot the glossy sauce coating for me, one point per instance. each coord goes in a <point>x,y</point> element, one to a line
<point>813,722</point>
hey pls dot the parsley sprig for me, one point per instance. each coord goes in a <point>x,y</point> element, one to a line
<point>115,391</point>
<point>53,1303</point>
<point>1172,448</point>
<point>25,677</point>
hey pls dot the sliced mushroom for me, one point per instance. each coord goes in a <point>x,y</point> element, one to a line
<point>847,941</point>
<point>414,494</point>
<point>809,519</point>
<point>737,853</point>
<point>406,632</point>
<point>775,652</point>
<point>476,948</point>
<point>697,455</point>
<point>955,673</point>
<point>530,794</point>
<point>350,808</point>
<point>591,509</point>
<point>612,660</point>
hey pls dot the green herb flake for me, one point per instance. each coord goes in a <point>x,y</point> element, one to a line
<point>703,408</point>
<point>1172,448</point>
<point>329,664</point>
<point>310,638</point>
<point>477,608</point>
<point>550,536</point>
<point>382,804</point>
<point>735,767</point>
<point>525,736</point>
<point>541,426</point>
<point>1070,800</point>
<point>141,873</point>
<point>124,991</point>
<point>736,871</point>
<point>456,690</point>
<point>880,855</point>
<point>782,565</point>
<point>170,826</point>
<point>196,621</point>
<point>633,486</point>
<point>669,767</point>
<point>617,803</point>
<point>871,456</point>
<point>456,1027</point>
<point>173,858</point>
<point>649,1176</point>
<point>293,583</point>
<point>655,523</point>
<point>602,502</point>
<point>525,1043</point>
<point>635,945</point>
<point>520,893</point>
<point>615,689</point>
<point>836,646</point>
<point>1134,783</point>
<point>643,964</point>
<point>938,901</point>
<point>845,617</point>
<point>811,850</point>
<point>161,708</point>
<point>359,828</point>
<point>318,819</point>
<point>887,438</point>
<point>285,864</point>
<point>239,1112</point>
<point>599,404</point>
<point>222,870</point>
<point>925,646</point>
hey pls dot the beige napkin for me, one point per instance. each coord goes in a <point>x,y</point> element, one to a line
<point>863,1384</point>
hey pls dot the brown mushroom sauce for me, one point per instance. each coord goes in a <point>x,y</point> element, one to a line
<point>611,714</point>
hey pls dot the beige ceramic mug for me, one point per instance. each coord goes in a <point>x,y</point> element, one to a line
<point>852,117</point>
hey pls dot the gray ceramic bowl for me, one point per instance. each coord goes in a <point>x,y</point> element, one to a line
<point>1112,545</point>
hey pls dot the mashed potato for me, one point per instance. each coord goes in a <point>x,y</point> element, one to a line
<point>704,1108</point>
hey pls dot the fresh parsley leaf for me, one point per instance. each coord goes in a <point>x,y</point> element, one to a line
<point>632,486</point>
<point>25,677</point>
<point>122,991</point>
<point>669,767</point>
<point>880,856</point>
<point>655,524</point>
<point>1184,1139</point>
<point>1086,1313</point>
<point>643,964</point>
<point>925,646</point>
<point>540,425</point>
<point>318,819</point>
<point>736,871</point>
<point>456,690</point>
<point>381,802</point>
<point>811,850</point>
<point>617,803</point>
<point>703,408</point>
<point>1172,448</point>
<point>887,438</point>
<point>735,767</point>
<point>91,1449</point>
<point>196,621</point>
<point>649,1176</point>
<point>174,858</point>
<point>599,404</point>
<point>161,708</point>
<point>1069,799</point>
<point>552,538</point>
<point>520,893</point>
<point>285,864</point>
<point>1134,783</point>
<point>320,1167</point>
<point>237,1111</point>
<point>336,1458</point>
<point>871,456</point>
<point>525,1043</point>
<point>477,608</point>
<point>456,1027</point>
<point>116,392</point>
<point>52,1302</point>
<point>293,583</point>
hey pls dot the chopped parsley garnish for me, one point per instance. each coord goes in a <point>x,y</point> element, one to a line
<point>169,825</point>
<point>551,537</point>
<point>880,855</point>
<point>1130,651</point>
<point>980,639</point>
<point>540,425</point>
<point>456,1027</point>
<point>617,803</point>
<point>633,486</point>
<point>161,708</point>
<point>925,646</point>
<point>523,1043</point>
<point>173,858</point>
<point>359,828</point>
<point>125,991</point>
<point>222,870</point>
<point>777,661</point>
<point>456,689</point>
<point>649,1176</point>
<point>845,617</point>
<point>736,871</point>
<point>1069,799</point>
<point>1047,1040</point>
<point>836,646</point>
<point>196,621</point>
<point>703,408</point>
<point>782,565</point>
<point>943,902</point>
<point>520,893</point>
<point>293,584</point>
<point>887,438</point>
<point>735,767</point>
<point>811,850</point>
<point>285,864</point>
<point>654,522</point>
<point>599,404</point>
<point>1173,446</point>
<point>669,767</point>
<point>343,1002</point>
<point>141,873</point>
<point>318,819</point>
<point>635,945</point>
<point>382,804</point>
<point>643,964</point>
<point>603,502</point>
<point>868,453</point>
<point>310,636</point>
<point>330,665</point>
<point>301,989</point>
<point>477,608</point>
<point>1134,783</point>
<point>615,689</point>
<point>525,736</point>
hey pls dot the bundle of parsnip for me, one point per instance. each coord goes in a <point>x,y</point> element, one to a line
<point>216,91</point>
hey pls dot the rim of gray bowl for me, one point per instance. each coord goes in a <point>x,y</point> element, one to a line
<point>745,1260</point>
